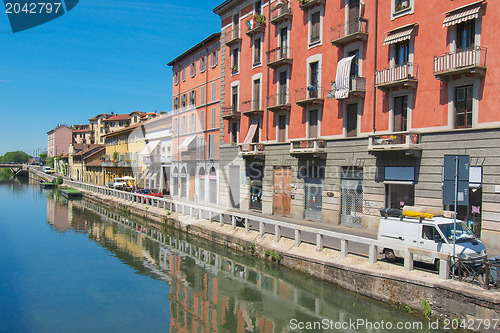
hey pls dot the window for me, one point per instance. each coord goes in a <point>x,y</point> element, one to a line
<point>234,99</point>
<point>211,146</point>
<point>429,232</point>
<point>183,125</point>
<point>282,128</point>
<point>256,95</point>
<point>235,60</point>
<point>399,195</point>
<point>183,102</point>
<point>176,107</point>
<point>313,79</point>
<point>401,5</point>
<point>192,123</point>
<point>184,74</point>
<point>214,91</point>
<point>213,117</point>
<point>202,120</point>
<point>214,58</point>
<point>256,51</point>
<point>234,132</point>
<point>202,148</point>
<point>203,64</point>
<point>193,69</point>
<point>402,52</point>
<point>463,106</point>
<point>351,120</point>
<point>192,98</point>
<point>313,123</point>
<point>400,113</point>
<point>315,28</point>
<point>202,97</point>
<point>258,7</point>
<point>401,8</point>
<point>176,78</point>
<point>465,35</point>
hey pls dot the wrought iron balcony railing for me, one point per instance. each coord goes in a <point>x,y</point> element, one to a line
<point>402,75</point>
<point>281,12</point>
<point>461,62</point>
<point>312,94</point>
<point>350,31</point>
<point>279,56</point>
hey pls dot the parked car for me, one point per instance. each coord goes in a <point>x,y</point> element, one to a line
<point>150,191</point>
<point>414,227</point>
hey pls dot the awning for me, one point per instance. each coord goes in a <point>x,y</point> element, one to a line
<point>150,147</point>
<point>250,135</point>
<point>399,35</point>
<point>462,14</point>
<point>153,176</point>
<point>186,142</point>
<point>399,175</point>
<point>342,78</point>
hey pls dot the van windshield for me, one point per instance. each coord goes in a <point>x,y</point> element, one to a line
<point>463,233</point>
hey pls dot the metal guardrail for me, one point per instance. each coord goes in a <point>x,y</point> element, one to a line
<point>209,212</point>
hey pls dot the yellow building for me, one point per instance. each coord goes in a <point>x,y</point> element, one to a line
<point>122,153</point>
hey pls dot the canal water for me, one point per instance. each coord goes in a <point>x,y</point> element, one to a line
<point>76,266</point>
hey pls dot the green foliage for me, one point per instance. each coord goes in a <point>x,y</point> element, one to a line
<point>426,309</point>
<point>59,180</point>
<point>273,255</point>
<point>15,156</point>
<point>408,309</point>
<point>50,162</point>
<point>251,250</point>
<point>43,157</point>
<point>116,155</point>
<point>260,18</point>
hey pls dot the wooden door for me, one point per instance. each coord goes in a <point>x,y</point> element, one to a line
<point>256,94</point>
<point>352,120</point>
<point>283,43</point>
<point>282,190</point>
<point>282,128</point>
<point>353,16</point>
<point>313,124</point>
<point>282,98</point>
<point>400,112</point>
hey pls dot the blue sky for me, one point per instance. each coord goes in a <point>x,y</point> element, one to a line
<point>104,55</point>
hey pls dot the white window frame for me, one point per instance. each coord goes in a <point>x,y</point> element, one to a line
<point>309,25</point>
<point>236,47</point>
<point>193,69</point>
<point>407,11</point>
<point>211,150</point>
<point>476,86</point>
<point>214,58</point>
<point>202,120</point>
<point>176,78</point>
<point>184,74</point>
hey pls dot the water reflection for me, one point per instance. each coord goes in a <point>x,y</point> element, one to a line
<point>213,289</point>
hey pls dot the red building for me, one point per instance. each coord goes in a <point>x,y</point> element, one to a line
<point>195,122</point>
<point>333,109</point>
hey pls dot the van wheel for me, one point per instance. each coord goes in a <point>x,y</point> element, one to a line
<point>389,255</point>
<point>436,265</point>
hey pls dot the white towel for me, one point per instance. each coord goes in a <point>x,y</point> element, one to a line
<point>342,78</point>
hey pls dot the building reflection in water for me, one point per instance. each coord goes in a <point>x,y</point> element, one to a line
<point>212,289</point>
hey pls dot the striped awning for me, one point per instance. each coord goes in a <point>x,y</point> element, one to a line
<point>462,14</point>
<point>399,35</point>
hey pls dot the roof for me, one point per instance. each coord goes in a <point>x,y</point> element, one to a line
<point>58,127</point>
<point>81,131</point>
<point>118,117</point>
<point>96,151</point>
<point>105,115</point>
<point>123,130</point>
<point>207,40</point>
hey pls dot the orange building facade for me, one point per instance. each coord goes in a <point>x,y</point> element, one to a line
<point>195,122</point>
<point>334,109</point>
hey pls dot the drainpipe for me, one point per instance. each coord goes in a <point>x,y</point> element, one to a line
<point>375,69</point>
<point>267,75</point>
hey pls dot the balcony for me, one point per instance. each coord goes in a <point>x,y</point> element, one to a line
<point>256,25</point>
<point>357,87</point>
<point>116,164</point>
<point>279,102</point>
<point>307,146</point>
<point>233,35</point>
<point>472,61</point>
<point>281,13</point>
<point>231,112</point>
<point>252,107</point>
<point>405,76</point>
<point>397,141</point>
<point>311,95</point>
<point>349,32</point>
<point>254,149</point>
<point>279,57</point>
<point>189,155</point>
<point>306,4</point>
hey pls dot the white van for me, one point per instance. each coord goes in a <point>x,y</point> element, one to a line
<point>47,169</point>
<point>414,227</point>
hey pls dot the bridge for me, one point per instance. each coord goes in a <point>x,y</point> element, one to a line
<point>16,168</point>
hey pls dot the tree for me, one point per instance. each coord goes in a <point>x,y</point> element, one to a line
<point>50,162</point>
<point>43,157</point>
<point>15,156</point>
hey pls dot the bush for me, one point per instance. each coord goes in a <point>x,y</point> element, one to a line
<point>59,180</point>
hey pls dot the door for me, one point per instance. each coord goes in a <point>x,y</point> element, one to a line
<point>352,120</point>
<point>400,113</point>
<point>426,241</point>
<point>313,124</point>
<point>313,198</point>
<point>282,98</point>
<point>256,174</point>
<point>192,178</point>
<point>313,89</point>
<point>282,128</point>
<point>282,190</point>
<point>283,43</point>
<point>234,186</point>
<point>256,95</point>
<point>353,16</point>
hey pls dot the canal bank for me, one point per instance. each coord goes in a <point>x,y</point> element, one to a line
<point>379,280</point>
